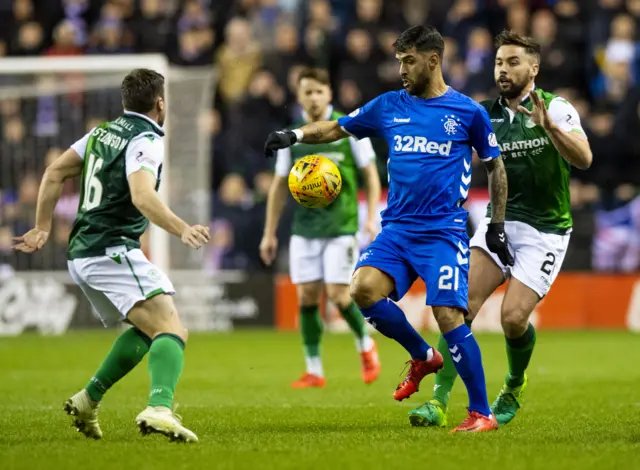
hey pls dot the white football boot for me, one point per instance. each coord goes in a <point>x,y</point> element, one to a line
<point>84,412</point>
<point>160,419</point>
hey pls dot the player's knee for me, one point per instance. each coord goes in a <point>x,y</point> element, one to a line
<point>362,292</point>
<point>308,298</point>
<point>473,307</point>
<point>515,320</point>
<point>339,296</point>
<point>448,318</point>
<point>309,293</point>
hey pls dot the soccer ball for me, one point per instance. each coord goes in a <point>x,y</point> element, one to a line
<point>315,181</point>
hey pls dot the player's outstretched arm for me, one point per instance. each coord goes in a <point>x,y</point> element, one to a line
<point>66,166</point>
<point>276,200</point>
<point>314,133</point>
<point>142,184</point>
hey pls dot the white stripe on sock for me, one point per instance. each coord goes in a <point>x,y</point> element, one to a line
<point>314,366</point>
<point>364,344</point>
<point>430,354</point>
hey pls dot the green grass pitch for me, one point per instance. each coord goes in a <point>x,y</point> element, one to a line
<point>581,410</point>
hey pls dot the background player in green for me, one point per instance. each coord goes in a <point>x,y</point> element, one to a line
<point>540,138</point>
<point>323,250</point>
<point>121,162</point>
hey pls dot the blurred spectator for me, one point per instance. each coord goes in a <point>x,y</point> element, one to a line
<point>237,60</point>
<point>621,46</point>
<point>518,18</point>
<point>110,39</point>
<point>361,63</point>
<point>600,22</point>
<point>77,12</point>
<point>29,40</point>
<point>320,15</point>
<point>257,114</point>
<point>558,65</point>
<point>606,153</point>
<point>235,206</point>
<point>152,26</point>
<point>286,55</point>
<point>266,17</point>
<point>14,159</point>
<point>388,65</point>
<point>317,46</point>
<point>65,40</point>
<point>570,23</point>
<point>633,8</point>
<point>193,16</point>
<point>194,48</point>
<point>461,19</point>
<point>612,84</point>
<point>369,16</point>
<point>627,129</point>
<point>479,59</point>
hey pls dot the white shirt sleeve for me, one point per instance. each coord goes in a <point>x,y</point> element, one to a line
<point>145,152</point>
<point>283,162</point>
<point>565,115</point>
<point>362,150</point>
<point>80,146</point>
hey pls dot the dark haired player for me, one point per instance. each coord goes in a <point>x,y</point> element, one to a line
<point>540,139</point>
<point>323,249</point>
<point>430,130</point>
<point>120,163</point>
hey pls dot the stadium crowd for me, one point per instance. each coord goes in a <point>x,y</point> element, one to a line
<point>591,56</point>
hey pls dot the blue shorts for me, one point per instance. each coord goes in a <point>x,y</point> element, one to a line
<point>440,258</point>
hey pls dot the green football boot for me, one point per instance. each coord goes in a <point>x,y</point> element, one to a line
<point>508,402</point>
<point>432,413</point>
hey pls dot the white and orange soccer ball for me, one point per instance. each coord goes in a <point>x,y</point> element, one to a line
<point>315,181</point>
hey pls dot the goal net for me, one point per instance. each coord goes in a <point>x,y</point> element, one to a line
<point>48,103</point>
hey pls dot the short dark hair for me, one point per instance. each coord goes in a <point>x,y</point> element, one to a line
<point>511,38</point>
<point>314,73</point>
<point>141,89</point>
<point>422,38</point>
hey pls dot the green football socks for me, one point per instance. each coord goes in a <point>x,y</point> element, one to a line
<point>126,353</point>
<point>355,320</point>
<point>311,327</point>
<point>519,352</point>
<point>166,359</point>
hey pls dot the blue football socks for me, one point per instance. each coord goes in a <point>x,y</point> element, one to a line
<point>467,358</point>
<point>389,319</point>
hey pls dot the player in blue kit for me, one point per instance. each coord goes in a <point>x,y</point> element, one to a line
<point>430,130</point>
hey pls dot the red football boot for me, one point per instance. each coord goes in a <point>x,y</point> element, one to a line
<point>309,381</point>
<point>417,370</point>
<point>476,422</point>
<point>370,364</point>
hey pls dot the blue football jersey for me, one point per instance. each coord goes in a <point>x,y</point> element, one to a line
<point>430,144</point>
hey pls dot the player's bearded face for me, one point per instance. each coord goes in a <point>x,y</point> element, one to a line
<point>414,72</point>
<point>314,97</point>
<point>514,71</point>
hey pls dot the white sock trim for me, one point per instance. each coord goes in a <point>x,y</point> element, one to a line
<point>314,366</point>
<point>430,354</point>
<point>364,344</point>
